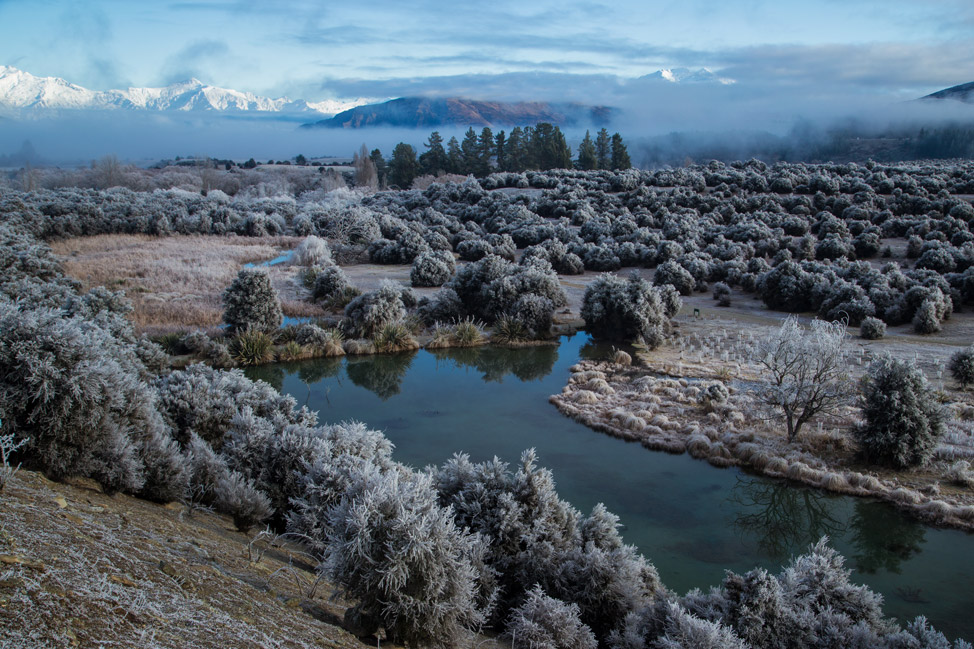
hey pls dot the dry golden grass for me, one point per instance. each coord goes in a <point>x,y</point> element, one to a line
<point>175,282</point>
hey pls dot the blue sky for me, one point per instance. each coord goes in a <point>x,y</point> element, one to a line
<point>895,49</point>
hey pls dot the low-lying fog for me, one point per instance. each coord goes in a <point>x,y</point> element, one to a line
<point>691,121</point>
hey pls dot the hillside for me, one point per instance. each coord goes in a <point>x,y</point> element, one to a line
<point>420,112</point>
<point>78,568</point>
<point>963,92</point>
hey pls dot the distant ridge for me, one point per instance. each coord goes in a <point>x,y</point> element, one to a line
<point>963,92</point>
<point>423,112</point>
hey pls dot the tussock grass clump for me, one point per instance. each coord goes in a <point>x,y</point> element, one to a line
<point>252,347</point>
<point>600,386</point>
<point>906,496</point>
<point>834,481</point>
<point>509,330</point>
<point>291,351</point>
<point>171,343</point>
<point>394,337</point>
<point>960,473</point>
<point>777,466</point>
<point>937,509</point>
<point>467,332</point>
<point>585,397</point>
<point>622,358</point>
<point>698,446</point>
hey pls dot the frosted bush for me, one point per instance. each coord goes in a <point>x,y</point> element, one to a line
<point>872,328</point>
<point>312,251</point>
<point>432,268</point>
<point>77,395</point>
<point>903,421</point>
<point>675,275</point>
<point>542,622</point>
<point>250,302</point>
<point>619,309</point>
<point>205,400</point>
<point>368,313</point>
<point>961,366</point>
<point>404,559</point>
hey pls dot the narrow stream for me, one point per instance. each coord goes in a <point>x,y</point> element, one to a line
<point>690,519</point>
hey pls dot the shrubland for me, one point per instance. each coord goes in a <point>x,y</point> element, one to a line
<point>432,556</point>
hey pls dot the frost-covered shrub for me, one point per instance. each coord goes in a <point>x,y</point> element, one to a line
<point>77,395</point>
<point>537,538</point>
<point>722,293</point>
<point>236,495</point>
<point>432,268</point>
<point>445,306</point>
<point>404,559</point>
<point>492,287</point>
<point>812,600</point>
<point>403,250</point>
<point>670,299</point>
<point>872,328</point>
<point>903,420</point>
<point>250,302</point>
<point>675,275</point>
<point>786,287</point>
<point>312,251</point>
<point>534,311</point>
<point>961,366</point>
<point>332,287</point>
<point>542,622</point>
<point>667,625</point>
<point>369,312</point>
<point>623,309</point>
<point>205,400</point>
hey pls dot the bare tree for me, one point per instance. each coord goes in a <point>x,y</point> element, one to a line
<point>806,371</point>
<point>365,172</point>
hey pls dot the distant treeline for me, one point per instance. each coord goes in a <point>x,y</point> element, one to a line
<point>540,147</point>
<point>848,142</point>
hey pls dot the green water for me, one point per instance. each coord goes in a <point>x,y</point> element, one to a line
<point>690,519</point>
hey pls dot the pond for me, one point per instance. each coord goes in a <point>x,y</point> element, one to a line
<point>690,519</point>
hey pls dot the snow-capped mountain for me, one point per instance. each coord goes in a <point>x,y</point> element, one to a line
<point>22,90</point>
<point>686,75</point>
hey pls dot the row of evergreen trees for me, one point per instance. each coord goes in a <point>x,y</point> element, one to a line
<point>540,147</point>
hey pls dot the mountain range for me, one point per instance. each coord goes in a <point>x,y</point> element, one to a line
<point>22,91</point>
<point>424,112</point>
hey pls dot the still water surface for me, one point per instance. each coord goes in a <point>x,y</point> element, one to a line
<point>690,519</point>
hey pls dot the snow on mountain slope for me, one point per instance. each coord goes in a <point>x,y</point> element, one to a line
<point>686,75</point>
<point>22,90</point>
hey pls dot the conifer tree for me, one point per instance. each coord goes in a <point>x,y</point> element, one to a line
<point>500,144</point>
<point>620,156</point>
<point>587,156</point>
<point>486,150</point>
<point>514,151</point>
<point>602,149</point>
<point>404,167</point>
<point>469,152</point>
<point>454,156</point>
<point>434,160</point>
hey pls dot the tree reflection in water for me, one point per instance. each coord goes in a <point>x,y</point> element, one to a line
<point>884,537</point>
<point>381,374</point>
<point>784,518</point>
<point>495,363</point>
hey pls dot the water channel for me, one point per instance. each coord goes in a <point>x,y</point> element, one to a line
<point>690,519</point>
